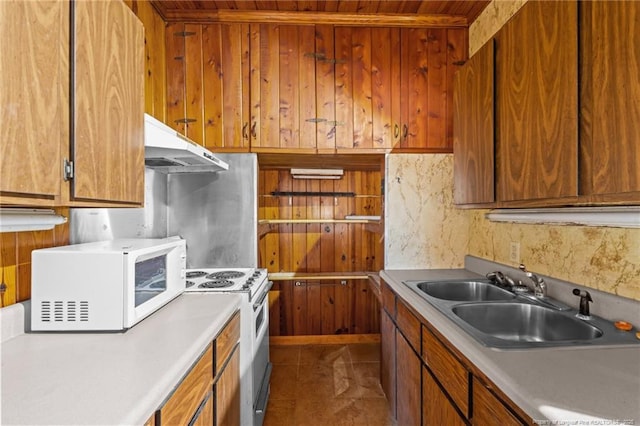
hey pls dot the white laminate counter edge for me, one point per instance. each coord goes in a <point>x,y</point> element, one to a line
<point>558,384</point>
<point>109,378</point>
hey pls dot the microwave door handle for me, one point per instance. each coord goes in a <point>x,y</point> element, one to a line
<point>265,293</point>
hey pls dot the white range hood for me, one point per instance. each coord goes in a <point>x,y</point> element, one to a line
<point>167,151</point>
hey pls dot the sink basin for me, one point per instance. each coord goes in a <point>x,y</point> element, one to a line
<point>465,291</point>
<point>522,322</point>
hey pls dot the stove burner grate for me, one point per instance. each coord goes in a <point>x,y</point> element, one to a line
<point>196,274</point>
<point>225,275</point>
<point>216,284</point>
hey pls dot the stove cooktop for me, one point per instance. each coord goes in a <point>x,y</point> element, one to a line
<point>225,279</point>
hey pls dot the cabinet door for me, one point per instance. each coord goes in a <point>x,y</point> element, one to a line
<point>283,102</point>
<point>227,390</point>
<point>208,84</point>
<point>388,359</point>
<point>610,89</point>
<point>473,129</point>
<point>108,107</point>
<point>204,415</point>
<point>34,94</point>
<point>536,83</point>
<point>408,382</point>
<point>363,87</point>
<point>436,407</point>
<point>488,409</point>
<point>429,59</point>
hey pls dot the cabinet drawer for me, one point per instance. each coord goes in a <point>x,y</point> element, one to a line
<point>226,341</point>
<point>409,325</point>
<point>488,409</point>
<point>453,376</point>
<point>388,299</point>
<point>186,399</point>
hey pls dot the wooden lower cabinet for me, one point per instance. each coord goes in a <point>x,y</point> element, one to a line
<point>211,389</point>
<point>183,404</point>
<point>388,359</point>
<point>488,409</point>
<point>204,415</point>
<point>227,391</point>
<point>436,408</point>
<point>408,384</point>
<point>427,381</point>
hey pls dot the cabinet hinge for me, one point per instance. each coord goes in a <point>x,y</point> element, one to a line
<point>184,33</point>
<point>67,169</point>
<point>185,120</point>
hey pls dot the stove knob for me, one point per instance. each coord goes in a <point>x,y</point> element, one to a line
<point>249,281</point>
<point>245,287</point>
<point>256,274</point>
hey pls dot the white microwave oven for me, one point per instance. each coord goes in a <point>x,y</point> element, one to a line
<point>104,286</point>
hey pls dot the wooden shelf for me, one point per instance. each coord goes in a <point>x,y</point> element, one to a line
<point>311,221</point>
<point>291,276</point>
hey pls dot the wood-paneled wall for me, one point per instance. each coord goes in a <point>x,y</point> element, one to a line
<point>155,83</point>
<point>15,258</point>
<point>313,307</point>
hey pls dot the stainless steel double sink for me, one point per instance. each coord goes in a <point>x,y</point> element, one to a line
<point>499,318</point>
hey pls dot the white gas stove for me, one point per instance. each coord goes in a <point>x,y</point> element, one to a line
<point>255,369</point>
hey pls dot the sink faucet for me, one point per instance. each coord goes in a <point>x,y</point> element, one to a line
<point>539,286</point>
<point>585,298</point>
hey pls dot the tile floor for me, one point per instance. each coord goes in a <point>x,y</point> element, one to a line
<point>327,385</point>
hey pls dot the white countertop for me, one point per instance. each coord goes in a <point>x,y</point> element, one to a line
<point>108,378</point>
<point>593,384</point>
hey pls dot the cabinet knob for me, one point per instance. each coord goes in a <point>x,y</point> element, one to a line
<point>396,131</point>
<point>244,131</point>
<point>405,131</point>
<point>253,130</point>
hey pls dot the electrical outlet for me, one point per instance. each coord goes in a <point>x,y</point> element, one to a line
<point>514,252</point>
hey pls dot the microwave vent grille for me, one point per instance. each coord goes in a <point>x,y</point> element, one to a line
<point>59,311</point>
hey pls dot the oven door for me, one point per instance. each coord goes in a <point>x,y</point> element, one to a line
<point>261,364</point>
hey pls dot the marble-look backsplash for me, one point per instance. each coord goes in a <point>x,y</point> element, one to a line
<point>607,259</point>
<point>492,18</point>
<point>422,228</point>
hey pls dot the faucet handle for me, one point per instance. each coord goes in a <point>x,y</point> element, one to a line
<point>523,268</point>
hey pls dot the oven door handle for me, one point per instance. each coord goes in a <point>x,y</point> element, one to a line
<point>265,293</point>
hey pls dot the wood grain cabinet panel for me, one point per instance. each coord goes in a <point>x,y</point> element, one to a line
<point>436,408</point>
<point>429,58</point>
<point>34,93</point>
<point>408,325</point>
<point>451,374</point>
<point>181,407</point>
<point>609,107</point>
<point>227,392</point>
<point>388,360</point>
<point>537,98</point>
<point>108,135</point>
<point>283,87</point>
<point>208,84</point>
<point>365,86</point>
<point>489,410</point>
<point>81,102</point>
<point>473,129</point>
<point>408,383</point>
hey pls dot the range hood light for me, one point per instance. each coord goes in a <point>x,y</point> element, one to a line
<point>317,173</point>
<point>19,220</point>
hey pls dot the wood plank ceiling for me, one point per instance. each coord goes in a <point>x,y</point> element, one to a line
<point>465,10</point>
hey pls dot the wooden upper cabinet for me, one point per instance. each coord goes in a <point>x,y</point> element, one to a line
<point>283,86</point>
<point>537,89</point>
<point>34,98</point>
<point>429,58</point>
<point>610,90</point>
<point>208,84</point>
<point>365,87</point>
<point>473,129</point>
<point>108,108</point>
